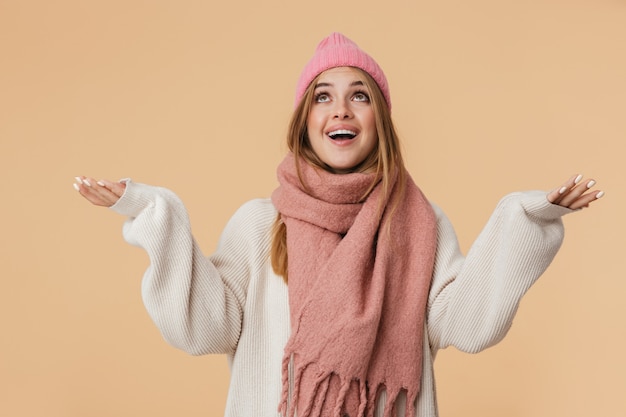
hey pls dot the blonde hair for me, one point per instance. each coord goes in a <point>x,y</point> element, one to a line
<point>385,161</point>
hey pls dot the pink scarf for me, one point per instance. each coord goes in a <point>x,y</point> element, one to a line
<point>358,287</point>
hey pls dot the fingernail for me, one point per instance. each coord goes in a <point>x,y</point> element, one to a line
<point>600,194</point>
<point>78,180</point>
<point>76,187</point>
<point>578,178</point>
<point>86,182</point>
<point>100,183</point>
<point>591,184</point>
<point>562,190</point>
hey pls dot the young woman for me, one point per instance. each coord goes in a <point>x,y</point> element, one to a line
<point>333,297</point>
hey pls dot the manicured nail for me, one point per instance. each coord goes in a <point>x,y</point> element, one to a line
<point>76,187</point>
<point>591,184</point>
<point>78,180</point>
<point>86,182</point>
<point>100,183</point>
<point>562,190</point>
<point>600,194</point>
<point>578,178</point>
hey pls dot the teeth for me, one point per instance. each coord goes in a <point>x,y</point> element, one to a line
<point>342,132</point>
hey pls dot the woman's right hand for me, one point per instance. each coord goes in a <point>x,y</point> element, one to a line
<point>100,193</point>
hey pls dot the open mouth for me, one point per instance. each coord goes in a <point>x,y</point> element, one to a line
<point>342,134</point>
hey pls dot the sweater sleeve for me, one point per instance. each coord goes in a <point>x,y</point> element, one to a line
<point>195,301</point>
<point>473,299</point>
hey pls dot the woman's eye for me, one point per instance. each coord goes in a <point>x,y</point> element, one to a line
<point>322,98</point>
<point>361,97</point>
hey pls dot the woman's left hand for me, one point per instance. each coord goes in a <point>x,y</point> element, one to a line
<point>575,193</point>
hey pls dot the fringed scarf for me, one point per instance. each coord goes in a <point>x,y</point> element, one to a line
<point>359,275</point>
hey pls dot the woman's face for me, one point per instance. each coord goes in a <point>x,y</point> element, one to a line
<point>341,124</point>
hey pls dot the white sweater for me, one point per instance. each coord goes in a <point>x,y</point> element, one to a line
<point>233,303</point>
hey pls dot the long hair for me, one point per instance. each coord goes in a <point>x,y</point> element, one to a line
<point>385,160</point>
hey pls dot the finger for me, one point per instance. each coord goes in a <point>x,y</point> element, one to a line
<point>557,195</point>
<point>88,194</point>
<point>574,194</point>
<point>586,199</point>
<point>116,188</point>
<point>102,191</point>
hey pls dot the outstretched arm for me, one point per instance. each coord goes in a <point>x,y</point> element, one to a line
<point>196,303</point>
<point>473,299</point>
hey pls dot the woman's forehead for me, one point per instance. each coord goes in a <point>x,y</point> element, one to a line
<point>348,75</point>
<point>342,72</point>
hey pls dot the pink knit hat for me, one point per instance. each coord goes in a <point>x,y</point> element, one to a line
<point>338,51</point>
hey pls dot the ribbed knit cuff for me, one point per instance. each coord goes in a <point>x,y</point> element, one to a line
<point>536,205</point>
<point>135,199</point>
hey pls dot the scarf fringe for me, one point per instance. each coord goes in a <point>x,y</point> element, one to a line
<point>390,404</point>
<point>373,397</point>
<point>367,400</point>
<point>411,400</point>
<point>363,404</point>
<point>341,398</point>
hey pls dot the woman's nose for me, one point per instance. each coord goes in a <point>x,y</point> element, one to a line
<point>342,110</point>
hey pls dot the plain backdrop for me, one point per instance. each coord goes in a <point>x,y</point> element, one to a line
<point>489,96</point>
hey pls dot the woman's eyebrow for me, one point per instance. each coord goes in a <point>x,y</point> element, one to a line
<point>318,85</point>
<point>352,84</point>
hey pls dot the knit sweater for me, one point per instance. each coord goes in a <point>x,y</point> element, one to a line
<point>232,302</point>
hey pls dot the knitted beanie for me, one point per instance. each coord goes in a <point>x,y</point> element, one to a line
<point>337,50</point>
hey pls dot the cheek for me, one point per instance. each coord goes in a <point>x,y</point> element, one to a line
<point>314,122</point>
<point>370,120</point>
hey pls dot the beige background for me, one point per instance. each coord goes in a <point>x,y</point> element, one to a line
<point>490,97</point>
